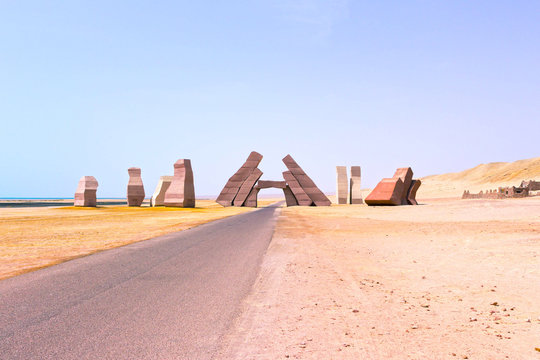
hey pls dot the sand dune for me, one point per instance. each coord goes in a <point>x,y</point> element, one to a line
<point>481,177</point>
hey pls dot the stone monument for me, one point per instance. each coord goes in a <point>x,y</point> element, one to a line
<point>355,193</point>
<point>85,195</point>
<point>411,195</point>
<point>309,187</point>
<point>135,188</point>
<point>181,192</point>
<point>246,187</point>
<point>399,190</point>
<point>387,192</point>
<point>301,197</point>
<point>158,198</point>
<point>233,185</point>
<point>342,185</point>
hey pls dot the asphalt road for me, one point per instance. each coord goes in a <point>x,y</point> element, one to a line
<point>171,297</point>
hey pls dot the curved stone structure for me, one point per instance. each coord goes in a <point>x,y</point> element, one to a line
<point>181,192</point>
<point>135,188</point>
<point>86,193</point>
<point>411,195</point>
<point>158,198</point>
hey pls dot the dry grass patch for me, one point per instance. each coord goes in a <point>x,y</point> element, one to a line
<point>32,238</point>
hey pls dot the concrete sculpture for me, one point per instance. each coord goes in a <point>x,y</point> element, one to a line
<point>405,174</point>
<point>181,192</point>
<point>135,188</point>
<point>301,197</point>
<point>85,195</point>
<point>387,192</point>
<point>355,193</point>
<point>251,200</point>
<point>246,187</point>
<point>243,187</point>
<point>411,195</point>
<point>342,185</point>
<point>158,198</point>
<point>399,190</point>
<point>231,189</point>
<point>290,200</point>
<point>309,187</point>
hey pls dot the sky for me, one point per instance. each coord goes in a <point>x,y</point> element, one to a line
<point>95,87</point>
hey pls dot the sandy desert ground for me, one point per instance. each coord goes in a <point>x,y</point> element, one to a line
<point>450,279</point>
<point>35,237</point>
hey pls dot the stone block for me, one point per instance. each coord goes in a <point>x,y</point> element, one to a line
<point>290,200</point>
<point>411,195</point>
<point>301,197</point>
<point>246,187</point>
<point>342,185</point>
<point>181,192</point>
<point>251,200</point>
<point>405,174</point>
<point>135,188</point>
<point>266,184</point>
<point>229,192</point>
<point>305,182</point>
<point>86,193</point>
<point>355,192</point>
<point>387,192</point>
<point>158,198</point>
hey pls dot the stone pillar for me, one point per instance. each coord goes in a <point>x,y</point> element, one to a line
<point>135,188</point>
<point>181,192</point>
<point>341,185</point>
<point>355,192</point>
<point>85,195</point>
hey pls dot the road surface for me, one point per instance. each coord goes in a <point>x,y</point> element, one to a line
<point>171,297</point>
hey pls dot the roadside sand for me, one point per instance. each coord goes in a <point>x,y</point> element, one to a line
<point>454,279</point>
<point>34,237</point>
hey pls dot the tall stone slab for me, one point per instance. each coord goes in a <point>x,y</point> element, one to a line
<point>135,188</point>
<point>290,200</point>
<point>158,198</point>
<point>314,193</point>
<point>342,185</point>
<point>355,192</point>
<point>251,200</point>
<point>181,192</point>
<point>233,185</point>
<point>301,197</point>
<point>405,174</point>
<point>86,193</point>
<point>246,187</point>
<point>387,192</point>
<point>411,195</point>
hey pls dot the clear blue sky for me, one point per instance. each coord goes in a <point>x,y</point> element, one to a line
<point>94,87</point>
